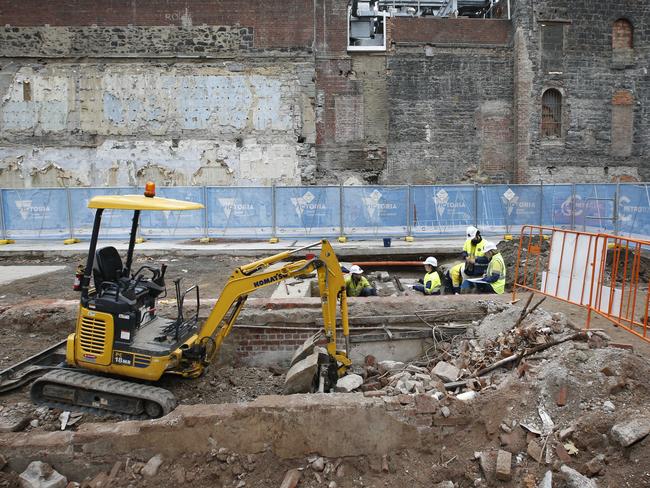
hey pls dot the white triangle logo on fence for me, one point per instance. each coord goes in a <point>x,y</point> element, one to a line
<point>227,204</point>
<point>372,204</point>
<point>24,207</point>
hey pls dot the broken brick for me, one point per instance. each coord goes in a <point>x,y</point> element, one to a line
<point>405,399</point>
<point>535,451</point>
<point>423,420</point>
<point>504,465</point>
<point>291,479</point>
<point>561,397</point>
<point>562,454</point>
<point>488,460</point>
<point>384,464</point>
<point>619,345</point>
<point>425,404</point>
<point>374,393</point>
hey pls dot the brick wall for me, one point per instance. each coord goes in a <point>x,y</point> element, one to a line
<point>251,342</point>
<point>450,31</point>
<point>450,114</point>
<point>275,23</point>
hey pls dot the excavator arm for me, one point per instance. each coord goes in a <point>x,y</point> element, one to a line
<point>262,273</point>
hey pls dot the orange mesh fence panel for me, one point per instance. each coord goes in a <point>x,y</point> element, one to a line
<point>557,263</point>
<point>620,288</point>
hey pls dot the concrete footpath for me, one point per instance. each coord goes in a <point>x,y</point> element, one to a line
<point>366,247</point>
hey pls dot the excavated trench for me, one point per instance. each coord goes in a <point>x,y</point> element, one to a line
<point>231,429</point>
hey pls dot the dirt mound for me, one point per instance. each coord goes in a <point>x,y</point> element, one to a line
<point>227,384</point>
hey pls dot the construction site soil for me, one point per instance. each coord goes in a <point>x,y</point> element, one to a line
<point>454,444</point>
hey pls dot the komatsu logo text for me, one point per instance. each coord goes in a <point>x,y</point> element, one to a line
<point>270,279</point>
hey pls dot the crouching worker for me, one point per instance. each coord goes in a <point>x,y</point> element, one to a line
<point>494,279</point>
<point>474,261</point>
<point>431,283</point>
<point>357,285</point>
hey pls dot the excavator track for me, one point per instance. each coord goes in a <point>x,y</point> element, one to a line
<point>73,390</point>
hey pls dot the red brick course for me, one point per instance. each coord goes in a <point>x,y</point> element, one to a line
<point>450,31</point>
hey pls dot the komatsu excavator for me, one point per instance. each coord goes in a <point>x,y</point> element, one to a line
<point>119,333</point>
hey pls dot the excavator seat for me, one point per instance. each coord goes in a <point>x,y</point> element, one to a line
<point>108,266</point>
<point>116,293</point>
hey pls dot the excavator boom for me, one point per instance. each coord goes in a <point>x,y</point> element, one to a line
<point>266,272</point>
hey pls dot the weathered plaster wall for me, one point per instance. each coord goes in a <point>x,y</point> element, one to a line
<point>214,124</point>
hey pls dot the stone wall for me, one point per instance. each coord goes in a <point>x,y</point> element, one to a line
<point>450,102</point>
<point>600,140</point>
<point>204,93</point>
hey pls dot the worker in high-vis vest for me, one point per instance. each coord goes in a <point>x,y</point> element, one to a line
<point>357,285</point>
<point>474,262</point>
<point>494,279</point>
<point>431,283</point>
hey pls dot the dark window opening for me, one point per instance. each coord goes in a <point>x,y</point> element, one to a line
<point>622,35</point>
<point>27,91</point>
<point>551,114</point>
<point>552,47</point>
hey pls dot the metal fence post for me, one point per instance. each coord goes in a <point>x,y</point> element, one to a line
<point>615,209</point>
<point>69,203</point>
<point>205,211</point>
<point>2,215</point>
<point>476,205</point>
<point>409,216</point>
<point>274,208</point>
<point>573,206</point>
<point>541,203</point>
<point>341,213</point>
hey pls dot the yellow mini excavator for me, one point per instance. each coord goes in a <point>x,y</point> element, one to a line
<point>119,334</point>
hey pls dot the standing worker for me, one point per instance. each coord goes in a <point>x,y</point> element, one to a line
<point>357,285</point>
<point>494,279</point>
<point>473,248</point>
<point>431,283</point>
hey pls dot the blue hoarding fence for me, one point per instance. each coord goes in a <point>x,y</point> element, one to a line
<point>325,211</point>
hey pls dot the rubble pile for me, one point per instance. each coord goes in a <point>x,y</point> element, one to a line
<point>502,340</point>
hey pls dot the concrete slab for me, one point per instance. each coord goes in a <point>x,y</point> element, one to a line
<point>293,289</point>
<point>9,274</point>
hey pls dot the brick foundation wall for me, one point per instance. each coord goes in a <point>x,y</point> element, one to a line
<point>251,342</point>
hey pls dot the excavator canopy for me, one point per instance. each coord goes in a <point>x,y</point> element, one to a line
<point>141,202</point>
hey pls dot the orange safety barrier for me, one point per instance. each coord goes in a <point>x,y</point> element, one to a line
<point>620,288</point>
<point>600,272</point>
<point>565,275</point>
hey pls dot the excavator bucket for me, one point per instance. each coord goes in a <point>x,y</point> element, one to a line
<point>307,348</point>
<point>312,369</point>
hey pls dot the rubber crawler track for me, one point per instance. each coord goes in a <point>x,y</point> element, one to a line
<point>82,381</point>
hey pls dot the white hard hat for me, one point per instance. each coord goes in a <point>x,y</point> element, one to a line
<point>489,246</point>
<point>471,232</point>
<point>354,269</point>
<point>431,260</point>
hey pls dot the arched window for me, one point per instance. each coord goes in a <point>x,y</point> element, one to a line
<point>551,114</point>
<point>622,35</point>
